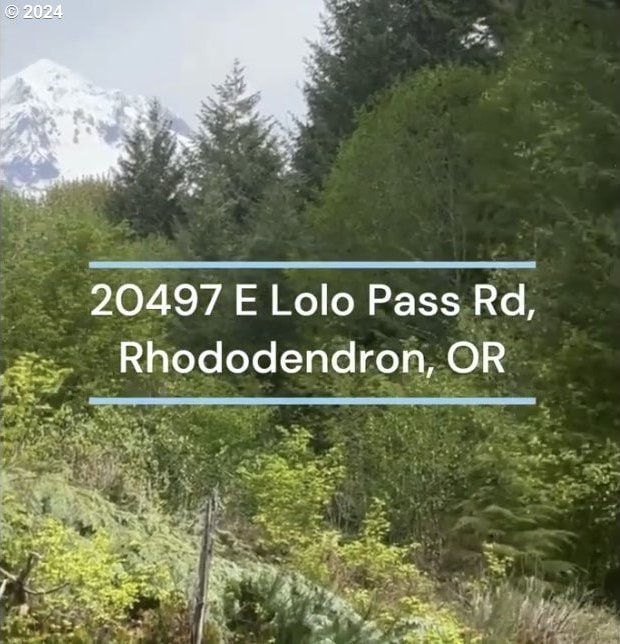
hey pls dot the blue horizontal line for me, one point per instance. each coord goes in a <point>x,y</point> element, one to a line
<point>310,401</point>
<point>490,265</point>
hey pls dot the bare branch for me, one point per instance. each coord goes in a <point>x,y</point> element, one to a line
<point>3,587</point>
<point>38,593</point>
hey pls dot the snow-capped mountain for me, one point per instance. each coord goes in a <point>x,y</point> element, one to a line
<point>56,125</point>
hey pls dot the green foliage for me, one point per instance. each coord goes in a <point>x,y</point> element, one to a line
<point>235,152</point>
<point>239,206</point>
<point>198,447</point>
<point>268,608</point>
<point>548,136</point>
<point>46,286</point>
<point>367,45</point>
<point>291,489</point>
<point>26,389</point>
<point>147,189</point>
<point>130,456</point>
<point>406,173</point>
<point>104,590</point>
<point>512,163</point>
<point>96,558</point>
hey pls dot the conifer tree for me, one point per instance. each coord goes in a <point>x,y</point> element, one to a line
<point>147,190</point>
<point>236,149</point>
<point>365,47</point>
<point>236,169</point>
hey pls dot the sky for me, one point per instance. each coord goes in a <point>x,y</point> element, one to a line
<point>173,49</point>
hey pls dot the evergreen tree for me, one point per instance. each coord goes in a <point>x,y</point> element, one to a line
<point>236,175</point>
<point>366,46</point>
<point>236,152</point>
<point>147,190</point>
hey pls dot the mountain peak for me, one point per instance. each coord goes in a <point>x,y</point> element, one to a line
<point>47,67</point>
<point>46,74</point>
<point>56,125</point>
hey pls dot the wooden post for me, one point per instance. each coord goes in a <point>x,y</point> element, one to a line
<point>204,568</point>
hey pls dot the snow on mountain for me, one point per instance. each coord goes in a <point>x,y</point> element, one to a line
<point>56,125</point>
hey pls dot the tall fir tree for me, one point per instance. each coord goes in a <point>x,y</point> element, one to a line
<point>236,172</point>
<point>236,153</point>
<point>148,188</point>
<point>365,47</point>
